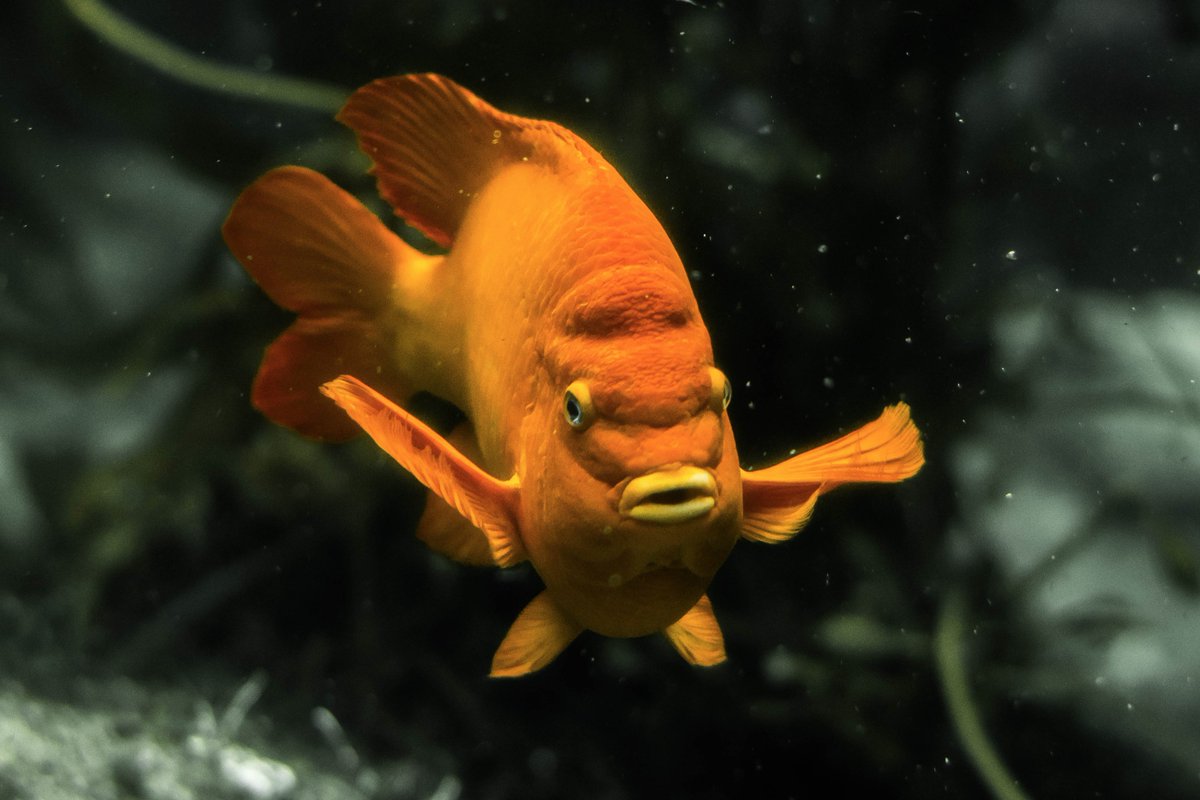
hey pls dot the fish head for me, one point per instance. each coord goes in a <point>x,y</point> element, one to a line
<point>632,500</point>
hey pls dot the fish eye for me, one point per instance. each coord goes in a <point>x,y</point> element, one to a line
<point>722,390</point>
<point>577,405</point>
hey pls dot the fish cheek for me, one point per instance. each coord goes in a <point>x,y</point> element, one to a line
<point>726,526</point>
<point>593,454</point>
<point>570,522</point>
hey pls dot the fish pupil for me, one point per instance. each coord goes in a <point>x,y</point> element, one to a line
<point>572,410</point>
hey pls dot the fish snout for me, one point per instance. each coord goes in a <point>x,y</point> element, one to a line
<point>669,496</point>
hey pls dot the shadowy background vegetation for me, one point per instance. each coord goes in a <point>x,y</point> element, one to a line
<point>990,212</point>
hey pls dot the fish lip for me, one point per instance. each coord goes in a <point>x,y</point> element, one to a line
<point>652,497</point>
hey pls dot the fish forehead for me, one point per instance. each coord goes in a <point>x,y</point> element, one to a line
<point>629,299</point>
<point>634,333</point>
<point>656,380</point>
<point>640,365</point>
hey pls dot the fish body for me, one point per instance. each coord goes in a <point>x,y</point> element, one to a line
<point>561,322</point>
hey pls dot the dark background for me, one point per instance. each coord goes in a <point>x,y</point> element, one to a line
<point>989,213</point>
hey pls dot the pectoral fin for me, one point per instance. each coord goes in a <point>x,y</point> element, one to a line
<point>538,635</point>
<point>778,501</point>
<point>442,527</point>
<point>774,513</point>
<point>488,503</point>
<point>697,636</point>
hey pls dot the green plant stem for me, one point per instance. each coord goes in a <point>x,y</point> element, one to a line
<point>159,54</point>
<point>952,670</point>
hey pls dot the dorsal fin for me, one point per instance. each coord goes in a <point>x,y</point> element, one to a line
<point>435,145</point>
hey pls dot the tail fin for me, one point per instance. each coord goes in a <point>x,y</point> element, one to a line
<point>317,251</point>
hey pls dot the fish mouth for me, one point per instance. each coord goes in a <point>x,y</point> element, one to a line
<point>669,496</point>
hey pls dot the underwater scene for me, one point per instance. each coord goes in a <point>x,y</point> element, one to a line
<point>370,374</point>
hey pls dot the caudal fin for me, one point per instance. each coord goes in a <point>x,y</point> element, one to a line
<point>317,251</point>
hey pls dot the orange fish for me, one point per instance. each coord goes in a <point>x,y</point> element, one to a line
<point>561,322</point>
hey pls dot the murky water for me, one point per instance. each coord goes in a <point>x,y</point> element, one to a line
<point>989,214</point>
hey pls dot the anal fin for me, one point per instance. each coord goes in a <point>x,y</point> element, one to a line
<point>697,636</point>
<point>540,632</point>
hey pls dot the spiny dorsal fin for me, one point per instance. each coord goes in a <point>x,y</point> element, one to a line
<point>697,636</point>
<point>435,145</point>
<point>538,635</point>
<point>778,501</point>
